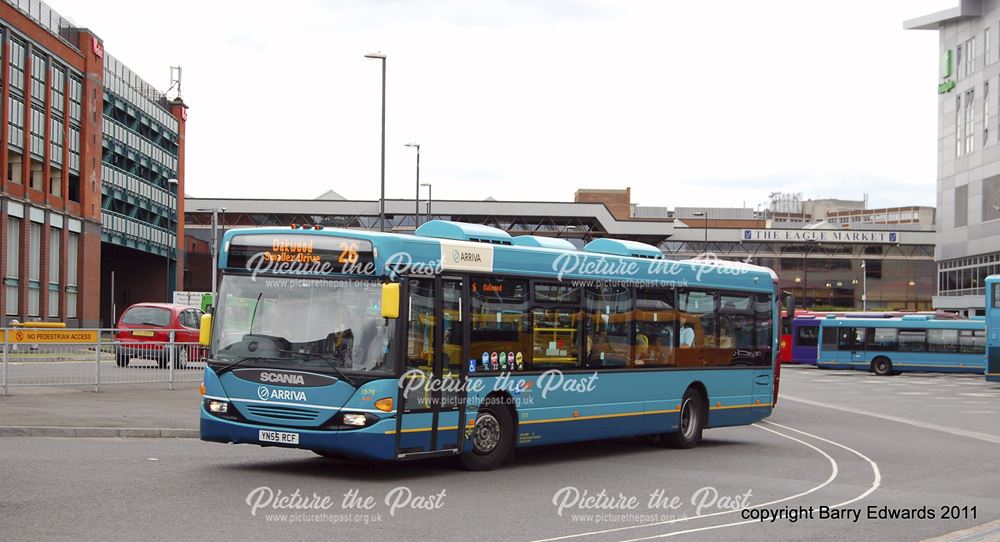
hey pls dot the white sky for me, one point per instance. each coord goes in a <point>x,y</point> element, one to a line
<point>689,103</point>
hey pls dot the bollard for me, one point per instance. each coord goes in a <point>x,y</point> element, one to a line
<point>97,374</point>
<point>171,359</point>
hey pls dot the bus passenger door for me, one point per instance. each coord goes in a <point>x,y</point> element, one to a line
<point>432,387</point>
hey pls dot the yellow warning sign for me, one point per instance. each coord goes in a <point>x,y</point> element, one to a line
<point>35,336</point>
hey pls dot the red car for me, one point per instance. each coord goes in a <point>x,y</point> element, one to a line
<point>144,332</point>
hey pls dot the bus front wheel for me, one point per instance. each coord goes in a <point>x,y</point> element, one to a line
<point>492,439</point>
<point>693,417</point>
<point>882,366</point>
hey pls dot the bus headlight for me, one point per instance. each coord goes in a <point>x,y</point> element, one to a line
<point>357,420</point>
<point>217,407</point>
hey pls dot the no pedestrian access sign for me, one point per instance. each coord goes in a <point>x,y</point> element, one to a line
<point>36,336</point>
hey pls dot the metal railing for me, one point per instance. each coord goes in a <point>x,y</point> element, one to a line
<point>98,357</point>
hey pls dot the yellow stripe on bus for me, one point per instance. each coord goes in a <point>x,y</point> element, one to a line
<point>578,418</point>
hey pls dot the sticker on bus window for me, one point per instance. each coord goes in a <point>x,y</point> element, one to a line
<point>503,361</point>
<point>520,362</point>
<point>494,361</point>
<point>472,366</point>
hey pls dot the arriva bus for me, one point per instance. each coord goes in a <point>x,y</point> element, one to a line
<point>889,346</point>
<point>992,328</point>
<point>462,340</point>
<point>803,338</point>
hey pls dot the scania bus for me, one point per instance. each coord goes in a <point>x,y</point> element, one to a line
<point>463,340</point>
<point>888,346</point>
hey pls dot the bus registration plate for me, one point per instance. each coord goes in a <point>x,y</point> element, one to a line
<point>279,437</point>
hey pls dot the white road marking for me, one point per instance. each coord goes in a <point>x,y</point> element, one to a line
<point>876,482</point>
<point>993,439</point>
<point>834,471</point>
<point>914,393</point>
<point>978,412</point>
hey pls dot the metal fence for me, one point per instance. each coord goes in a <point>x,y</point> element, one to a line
<point>98,357</point>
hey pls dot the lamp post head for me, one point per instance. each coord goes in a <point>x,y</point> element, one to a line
<point>375,55</point>
<point>416,145</point>
<point>428,185</point>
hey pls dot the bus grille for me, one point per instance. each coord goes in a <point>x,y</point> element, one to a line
<point>283,413</point>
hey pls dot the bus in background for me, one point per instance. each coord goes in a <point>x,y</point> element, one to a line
<point>993,328</point>
<point>889,346</point>
<point>462,340</point>
<point>785,344</point>
<point>805,332</point>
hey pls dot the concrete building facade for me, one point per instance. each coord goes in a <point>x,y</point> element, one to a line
<point>968,170</point>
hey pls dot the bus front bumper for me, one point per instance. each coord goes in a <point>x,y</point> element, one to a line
<point>377,441</point>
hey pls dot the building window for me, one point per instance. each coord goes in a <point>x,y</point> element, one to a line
<point>37,130</point>
<point>962,206</point>
<point>986,46</point>
<point>970,56</point>
<point>54,250</point>
<point>17,50</point>
<point>986,112</point>
<point>991,198</point>
<point>959,65</point>
<point>970,121</point>
<point>34,268</point>
<point>15,133</point>
<point>72,252</point>
<point>11,281</point>
<point>58,83</point>
<point>39,68</point>
<point>958,125</point>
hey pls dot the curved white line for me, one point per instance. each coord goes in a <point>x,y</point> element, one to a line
<point>834,470</point>
<point>876,473</point>
<point>876,483</point>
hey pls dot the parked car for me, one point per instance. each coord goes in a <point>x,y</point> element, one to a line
<point>144,332</point>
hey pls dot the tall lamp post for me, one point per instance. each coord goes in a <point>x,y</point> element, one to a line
<point>704,214</point>
<point>416,201</point>
<point>381,199</point>
<point>215,247</point>
<point>864,287</point>
<point>909,285</point>
<point>429,199</point>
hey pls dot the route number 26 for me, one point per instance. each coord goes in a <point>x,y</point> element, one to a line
<point>348,253</point>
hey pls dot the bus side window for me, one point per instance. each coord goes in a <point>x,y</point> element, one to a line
<point>655,320</point>
<point>830,338</point>
<point>764,328</point>
<point>845,338</point>
<point>607,333</point>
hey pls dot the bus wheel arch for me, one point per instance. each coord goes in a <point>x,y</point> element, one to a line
<point>882,366</point>
<point>494,429</point>
<point>692,418</point>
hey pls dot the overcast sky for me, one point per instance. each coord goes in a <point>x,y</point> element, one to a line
<point>689,103</point>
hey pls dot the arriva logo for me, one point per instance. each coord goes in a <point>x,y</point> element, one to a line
<point>266,394</point>
<point>460,256</point>
<point>282,378</point>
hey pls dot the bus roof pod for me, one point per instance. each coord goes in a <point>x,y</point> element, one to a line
<point>542,242</point>
<point>619,247</point>
<point>461,231</point>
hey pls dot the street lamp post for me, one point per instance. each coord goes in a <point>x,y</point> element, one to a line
<point>381,199</point>
<point>864,287</point>
<point>704,214</point>
<point>909,285</point>
<point>429,199</point>
<point>214,248</point>
<point>416,201</point>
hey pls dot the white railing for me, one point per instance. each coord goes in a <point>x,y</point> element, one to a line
<point>98,357</point>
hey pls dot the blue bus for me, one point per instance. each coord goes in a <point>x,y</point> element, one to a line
<point>992,328</point>
<point>888,346</point>
<point>462,340</point>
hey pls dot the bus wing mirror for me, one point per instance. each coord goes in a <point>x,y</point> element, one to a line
<point>390,300</point>
<point>790,307</point>
<point>205,331</point>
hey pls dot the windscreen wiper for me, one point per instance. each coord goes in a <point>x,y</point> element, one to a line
<point>326,360</point>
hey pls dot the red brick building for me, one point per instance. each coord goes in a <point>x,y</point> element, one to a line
<point>62,166</point>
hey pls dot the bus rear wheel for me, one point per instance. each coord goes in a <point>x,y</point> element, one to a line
<point>693,417</point>
<point>882,366</point>
<point>492,439</point>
